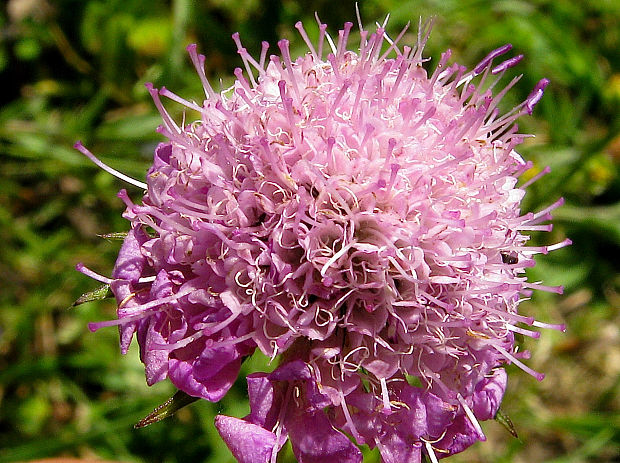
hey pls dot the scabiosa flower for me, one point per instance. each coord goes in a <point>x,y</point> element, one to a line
<point>355,216</point>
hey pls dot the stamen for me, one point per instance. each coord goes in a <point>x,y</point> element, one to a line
<point>377,45</point>
<point>80,267</point>
<point>347,416</point>
<point>168,94</point>
<point>331,43</point>
<point>546,228</point>
<point>343,37</point>
<point>536,177</point>
<point>157,302</point>
<point>288,107</point>
<point>523,331</point>
<point>424,32</point>
<point>523,168</point>
<point>505,315</point>
<point>82,149</point>
<point>181,343</point>
<point>536,95</point>
<point>445,56</point>
<point>561,244</point>
<point>322,33</point>
<point>168,121</point>
<point>345,86</point>
<point>560,326</point>
<point>402,70</point>
<point>359,18</point>
<point>519,363</point>
<point>431,452</point>
<point>284,48</point>
<point>549,289</point>
<point>246,58</point>
<point>498,97</point>
<point>242,80</point>
<point>300,27</point>
<point>387,407</point>
<point>334,62</point>
<point>490,57</point>
<point>472,417</point>
<point>507,64</point>
<point>199,64</point>
<point>394,43</point>
<point>547,210</point>
<point>355,114</point>
<point>94,326</point>
<point>385,21</point>
<point>263,55</point>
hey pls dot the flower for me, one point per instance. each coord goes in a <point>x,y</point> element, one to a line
<point>357,217</point>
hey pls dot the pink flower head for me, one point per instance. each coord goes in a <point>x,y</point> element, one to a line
<point>355,214</point>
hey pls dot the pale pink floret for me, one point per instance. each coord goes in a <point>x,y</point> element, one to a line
<point>351,211</point>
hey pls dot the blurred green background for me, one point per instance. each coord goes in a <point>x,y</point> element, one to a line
<point>74,70</point>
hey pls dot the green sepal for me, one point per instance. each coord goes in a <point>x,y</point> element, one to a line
<point>117,236</point>
<point>167,409</point>
<point>102,292</point>
<point>506,422</point>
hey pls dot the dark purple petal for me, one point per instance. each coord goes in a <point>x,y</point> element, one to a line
<point>261,392</point>
<point>295,370</point>
<point>314,440</point>
<point>426,415</point>
<point>396,449</point>
<point>459,435</point>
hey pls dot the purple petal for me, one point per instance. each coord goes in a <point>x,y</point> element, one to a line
<point>123,290</point>
<point>211,361</point>
<point>155,360</point>
<point>127,271</point>
<point>488,395</point>
<point>130,261</point>
<point>162,154</point>
<point>248,442</point>
<point>182,375</point>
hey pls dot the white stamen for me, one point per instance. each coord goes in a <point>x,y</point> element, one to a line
<point>471,416</point>
<point>431,452</point>
<point>82,149</point>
